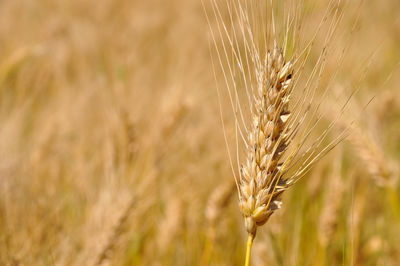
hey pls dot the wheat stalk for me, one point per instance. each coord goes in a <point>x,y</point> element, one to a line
<point>261,180</point>
<point>279,149</point>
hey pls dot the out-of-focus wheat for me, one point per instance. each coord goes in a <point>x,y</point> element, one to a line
<point>214,210</point>
<point>218,201</point>
<point>332,203</point>
<point>379,167</point>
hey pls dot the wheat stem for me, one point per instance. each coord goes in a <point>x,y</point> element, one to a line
<point>248,250</point>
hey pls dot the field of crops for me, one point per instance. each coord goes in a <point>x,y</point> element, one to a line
<point>123,125</point>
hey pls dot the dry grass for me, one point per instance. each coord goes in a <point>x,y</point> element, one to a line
<point>112,149</point>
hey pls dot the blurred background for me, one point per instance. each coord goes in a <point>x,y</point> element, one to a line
<point>112,149</point>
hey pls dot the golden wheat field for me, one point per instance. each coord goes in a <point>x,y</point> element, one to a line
<point>123,125</point>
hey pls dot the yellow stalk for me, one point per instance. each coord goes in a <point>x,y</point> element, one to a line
<point>248,250</point>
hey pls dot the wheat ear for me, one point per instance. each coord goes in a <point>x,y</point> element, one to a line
<point>279,149</point>
<point>215,208</point>
<point>260,183</point>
